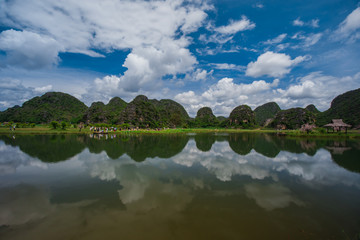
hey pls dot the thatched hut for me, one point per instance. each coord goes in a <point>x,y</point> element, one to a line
<point>337,125</point>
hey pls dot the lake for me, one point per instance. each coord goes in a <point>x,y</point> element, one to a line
<point>190,186</point>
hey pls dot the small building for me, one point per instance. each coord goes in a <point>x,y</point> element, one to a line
<point>337,125</point>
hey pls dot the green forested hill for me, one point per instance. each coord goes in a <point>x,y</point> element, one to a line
<point>242,116</point>
<point>312,108</point>
<point>49,107</point>
<point>293,118</point>
<point>206,118</point>
<point>266,111</point>
<point>345,106</point>
<point>98,112</point>
<point>142,112</point>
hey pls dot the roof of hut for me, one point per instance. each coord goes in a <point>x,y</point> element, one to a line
<point>337,123</point>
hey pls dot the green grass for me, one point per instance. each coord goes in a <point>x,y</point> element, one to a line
<point>43,129</point>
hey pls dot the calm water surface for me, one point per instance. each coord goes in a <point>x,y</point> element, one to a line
<point>204,186</point>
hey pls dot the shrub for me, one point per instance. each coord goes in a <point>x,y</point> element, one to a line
<point>54,124</point>
<point>63,125</point>
<point>321,130</point>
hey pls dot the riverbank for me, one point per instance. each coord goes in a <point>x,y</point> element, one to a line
<point>285,133</point>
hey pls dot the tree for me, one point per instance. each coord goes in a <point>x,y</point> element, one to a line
<point>54,124</point>
<point>63,125</point>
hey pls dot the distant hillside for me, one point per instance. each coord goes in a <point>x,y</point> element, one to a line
<point>49,107</point>
<point>143,113</point>
<point>293,118</point>
<point>206,118</point>
<point>242,116</point>
<point>172,114</point>
<point>266,111</point>
<point>345,106</point>
<point>95,113</point>
<point>312,108</point>
<point>98,112</point>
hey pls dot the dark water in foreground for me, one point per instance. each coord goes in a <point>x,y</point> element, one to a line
<point>207,186</point>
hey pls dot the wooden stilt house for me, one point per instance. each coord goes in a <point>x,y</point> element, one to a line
<point>337,125</point>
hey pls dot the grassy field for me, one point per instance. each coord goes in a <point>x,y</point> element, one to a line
<point>287,133</point>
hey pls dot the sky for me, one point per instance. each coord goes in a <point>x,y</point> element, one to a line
<point>200,53</point>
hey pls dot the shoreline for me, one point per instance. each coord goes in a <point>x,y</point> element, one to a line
<point>283,133</point>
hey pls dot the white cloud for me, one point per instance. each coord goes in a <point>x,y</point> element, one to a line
<point>29,50</point>
<point>155,33</point>
<point>272,64</point>
<point>314,23</point>
<point>318,89</point>
<point>43,89</point>
<point>306,40</point>
<point>201,75</point>
<point>349,28</point>
<point>227,66</point>
<point>276,40</point>
<point>13,92</point>
<point>314,88</point>
<point>298,22</point>
<point>236,26</point>
<point>224,34</point>
<point>225,95</point>
<point>304,90</point>
<point>258,5</point>
<point>312,39</point>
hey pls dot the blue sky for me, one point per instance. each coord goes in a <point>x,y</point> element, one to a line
<point>199,53</point>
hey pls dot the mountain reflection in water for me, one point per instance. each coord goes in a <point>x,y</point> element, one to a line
<point>57,148</point>
<point>213,186</point>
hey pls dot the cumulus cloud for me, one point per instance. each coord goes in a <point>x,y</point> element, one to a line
<point>320,88</point>
<point>154,32</point>
<point>224,96</point>
<point>349,28</point>
<point>200,75</point>
<point>13,92</point>
<point>314,88</point>
<point>29,50</point>
<point>272,64</point>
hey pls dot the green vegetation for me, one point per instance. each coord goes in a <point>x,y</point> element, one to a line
<point>242,117</point>
<point>312,108</point>
<point>150,114</point>
<point>54,124</point>
<point>98,112</point>
<point>205,118</point>
<point>345,106</point>
<point>265,112</point>
<point>48,129</point>
<point>293,118</point>
<point>145,113</point>
<point>52,106</point>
